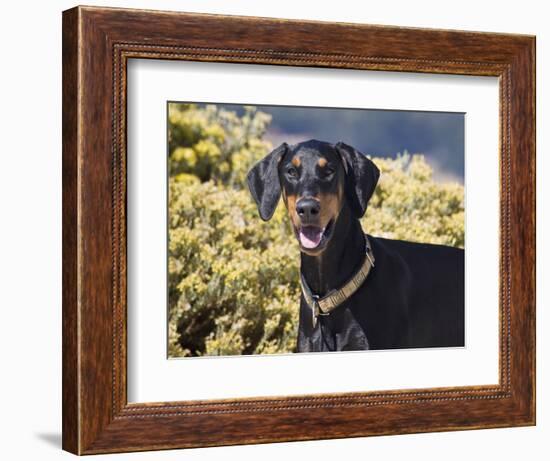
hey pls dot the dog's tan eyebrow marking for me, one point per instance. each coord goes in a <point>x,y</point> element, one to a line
<point>322,162</point>
<point>296,161</point>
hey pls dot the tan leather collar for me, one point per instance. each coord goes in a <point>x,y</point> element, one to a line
<point>336,297</point>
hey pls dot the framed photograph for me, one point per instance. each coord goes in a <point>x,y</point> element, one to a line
<point>282,230</point>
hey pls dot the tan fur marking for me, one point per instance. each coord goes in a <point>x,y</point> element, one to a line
<point>290,202</point>
<point>331,204</point>
<point>330,207</point>
<point>296,161</point>
<point>322,162</point>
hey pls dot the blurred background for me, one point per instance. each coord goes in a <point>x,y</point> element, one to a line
<point>233,279</point>
<point>439,136</point>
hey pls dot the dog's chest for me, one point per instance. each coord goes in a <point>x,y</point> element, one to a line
<point>342,332</point>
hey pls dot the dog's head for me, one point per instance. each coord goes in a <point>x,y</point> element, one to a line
<point>316,180</point>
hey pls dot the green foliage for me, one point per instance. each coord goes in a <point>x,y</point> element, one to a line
<point>213,143</point>
<point>408,205</point>
<point>234,279</point>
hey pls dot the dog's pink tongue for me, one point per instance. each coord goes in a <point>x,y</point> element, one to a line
<point>310,236</point>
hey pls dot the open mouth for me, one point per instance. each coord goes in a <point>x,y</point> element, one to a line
<point>312,237</point>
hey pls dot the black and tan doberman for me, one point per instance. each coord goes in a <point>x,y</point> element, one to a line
<point>358,291</point>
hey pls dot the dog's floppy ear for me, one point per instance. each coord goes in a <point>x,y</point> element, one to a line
<point>263,182</point>
<point>362,176</point>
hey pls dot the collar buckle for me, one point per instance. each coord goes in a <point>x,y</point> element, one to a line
<point>315,310</point>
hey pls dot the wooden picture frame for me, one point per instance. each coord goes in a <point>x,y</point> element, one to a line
<point>97,43</point>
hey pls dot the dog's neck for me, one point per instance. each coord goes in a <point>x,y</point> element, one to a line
<point>342,257</point>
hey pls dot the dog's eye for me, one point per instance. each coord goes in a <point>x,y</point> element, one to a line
<point>292,172</point>
<point>328,172</point>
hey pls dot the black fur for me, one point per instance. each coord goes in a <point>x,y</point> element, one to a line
<point>263,182</point>
<point>362,177</point>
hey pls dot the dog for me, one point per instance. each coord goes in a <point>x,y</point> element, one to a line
<point>359,292</point>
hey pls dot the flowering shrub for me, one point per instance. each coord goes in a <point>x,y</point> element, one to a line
<point>233,280</point>
<point>408,205</point>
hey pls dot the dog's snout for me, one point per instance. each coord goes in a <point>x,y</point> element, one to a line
<point>308,208</point>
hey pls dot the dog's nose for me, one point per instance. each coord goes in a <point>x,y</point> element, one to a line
<point>308,208</point>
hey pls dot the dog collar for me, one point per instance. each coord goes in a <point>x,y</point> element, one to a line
<point>335,297</point>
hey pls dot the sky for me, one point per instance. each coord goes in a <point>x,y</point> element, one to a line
<point>379,133</point>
